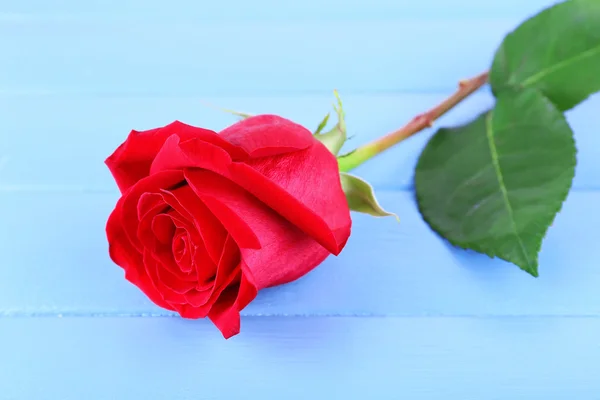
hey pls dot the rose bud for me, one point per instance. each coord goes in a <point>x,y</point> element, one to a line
<point>206,220</point>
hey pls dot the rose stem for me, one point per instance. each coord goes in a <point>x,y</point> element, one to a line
<point>417,124</point>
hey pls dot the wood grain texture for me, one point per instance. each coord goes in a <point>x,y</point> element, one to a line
<point>301,358</point>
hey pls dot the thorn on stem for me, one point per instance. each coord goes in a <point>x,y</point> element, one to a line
<point>426,118</point>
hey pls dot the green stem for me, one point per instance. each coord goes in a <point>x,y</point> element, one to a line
<point>417,124</point>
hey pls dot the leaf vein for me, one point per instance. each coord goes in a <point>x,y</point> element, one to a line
<point>533,79</point>
<point>496,162</point>
<point>465,183</point>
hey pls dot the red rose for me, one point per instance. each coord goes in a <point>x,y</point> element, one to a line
<point>207,220</point>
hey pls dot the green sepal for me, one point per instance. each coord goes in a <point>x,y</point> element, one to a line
<point>322,124</point>
<point>361,197</point>
<point>239,114</point>
<point>336,137</point>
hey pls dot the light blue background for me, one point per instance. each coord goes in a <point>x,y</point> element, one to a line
<point>399,315</point>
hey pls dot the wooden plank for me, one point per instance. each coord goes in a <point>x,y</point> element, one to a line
<point>190,10</point>
<point>278,57</point>
<point>301,358</point>
<point>65,144</point>
<point>55,261</point>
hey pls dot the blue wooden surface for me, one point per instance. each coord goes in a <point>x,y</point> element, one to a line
<point>399,314</point>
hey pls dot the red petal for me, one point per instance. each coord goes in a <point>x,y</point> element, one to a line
<point>150,202</point>
<point>124,254</point>
<point>228,271</point>
<point>161,251</point>
<point>206,270</point>
<point>146,214</point>
<point>233,222</point>
<point>268,135</point>
<point>193,153</point>
<point>163,229</point>
<point>131,161</point>
<point>303,186</point>
<point>228,263</point>
<point>169,286</point>
<point>225,314</point>
<point>173,282</point>
<point>193,209</point>
<point>198,260</point>
<point>286,252</point>
<point>180,246</point>
<point>131,199</point>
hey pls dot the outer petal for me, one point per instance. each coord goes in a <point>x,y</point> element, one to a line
<point>131,161</point>
<point>286,252</point>
<point>268,135</point>
<point>124,254</point>
<point>194,153</point>
<point>225,314</point>
<point>320,210</point>
<point>310,177</point>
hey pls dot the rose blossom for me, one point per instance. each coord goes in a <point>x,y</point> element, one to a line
<point>206,220</point>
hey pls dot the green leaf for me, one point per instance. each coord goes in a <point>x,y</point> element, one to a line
<point>496,184</point>
<point>335,138</point>
<point>361,197</point>
<point>557,52</point>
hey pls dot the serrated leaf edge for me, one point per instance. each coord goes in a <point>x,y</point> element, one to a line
<point>467,246</point>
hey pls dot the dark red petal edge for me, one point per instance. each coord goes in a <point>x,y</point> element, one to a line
<point>225,314</point>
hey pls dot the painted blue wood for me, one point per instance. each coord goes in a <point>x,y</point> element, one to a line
<point>172,57</point>
<point>187,10</point>
<point>65,144</point>
<point>55,246</point>
<point>400,314</point>
<point>301,358</point>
